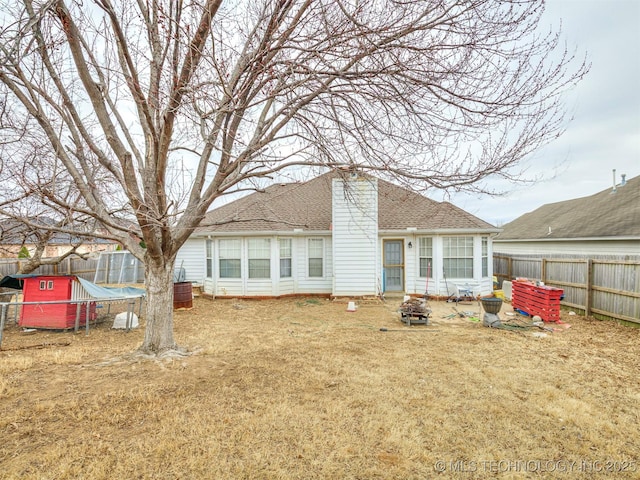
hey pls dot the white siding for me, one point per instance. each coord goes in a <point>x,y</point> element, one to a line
<point>258,288</point>
<point>577,247</point>
<point>191,257</point>
<point>412,266</point>
<point>286,286</point>
<point>209,286</point>
<point>229,287</point>
<point>355,236</point>
<point>304,283</point>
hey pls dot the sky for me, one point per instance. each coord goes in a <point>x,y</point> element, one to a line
<point>605,131</point>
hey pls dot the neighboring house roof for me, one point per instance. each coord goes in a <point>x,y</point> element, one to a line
<point>603,215</point>
<point>14,232</point>
<point>284,207</point>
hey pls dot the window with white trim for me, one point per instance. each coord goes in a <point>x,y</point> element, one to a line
<point>209,260</point>
<point>259,257</point>
<point>485,256</point>
<point>316,257</point>
<point>425,251</point>
<point>229,262</point>
<point>458,257</point>
<point>285,257</point>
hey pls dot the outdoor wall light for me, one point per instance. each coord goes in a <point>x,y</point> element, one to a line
<point>410,245</point>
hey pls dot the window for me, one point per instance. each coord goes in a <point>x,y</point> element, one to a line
<point>229,251</point>
<point>259,258</point>
<point>43,285</point>
<point>316,254</point>
<point>458,257</point>
<point>285,257</point>
<point>209,253</point>
<point>426,256</point>
<point>485,257</point>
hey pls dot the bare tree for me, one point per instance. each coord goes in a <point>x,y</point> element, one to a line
<point>173,104</point>
<point>26,215</point>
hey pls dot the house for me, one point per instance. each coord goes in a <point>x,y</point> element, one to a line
<point>604,224</point>
<point>339,234</point>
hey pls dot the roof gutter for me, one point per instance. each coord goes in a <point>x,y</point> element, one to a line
<point>440,231</point>
<point>297,232</point>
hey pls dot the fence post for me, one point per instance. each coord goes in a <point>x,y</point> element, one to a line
<point>543,271</point>
<point>86,323</point>
<point>3,317</point>
<point>77,324</point>
<point>509,268</point>
<point>589,294</point>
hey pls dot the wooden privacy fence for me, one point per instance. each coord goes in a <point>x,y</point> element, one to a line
<point>69,266</point>
<point>599,287</point>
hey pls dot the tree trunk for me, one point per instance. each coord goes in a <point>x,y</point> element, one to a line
<point>158,337</point>
<point>32,263</point>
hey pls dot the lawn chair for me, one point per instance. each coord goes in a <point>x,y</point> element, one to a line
<point>458,293</point>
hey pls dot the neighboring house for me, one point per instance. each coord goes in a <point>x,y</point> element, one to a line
<point>339,234</point>
<point>15,235</point>
<point>604,224</point>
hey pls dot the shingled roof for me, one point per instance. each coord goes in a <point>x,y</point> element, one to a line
<point>284,207</point>
<point>605,214</point>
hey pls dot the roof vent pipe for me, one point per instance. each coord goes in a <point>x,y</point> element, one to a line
<point>623,182</point>
<point>614,181</point>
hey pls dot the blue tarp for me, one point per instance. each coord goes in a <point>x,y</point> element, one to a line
<point>97,291</point>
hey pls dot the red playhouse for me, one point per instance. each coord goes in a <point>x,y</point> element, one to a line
<point>56,316</point>
<point>537,300</point>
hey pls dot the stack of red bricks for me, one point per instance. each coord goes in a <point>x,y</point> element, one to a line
<point>537,300</point>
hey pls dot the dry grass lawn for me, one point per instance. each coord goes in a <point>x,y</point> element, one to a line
<point>301,388</point>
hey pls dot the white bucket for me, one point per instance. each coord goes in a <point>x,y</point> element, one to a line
<point>121,321</point>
